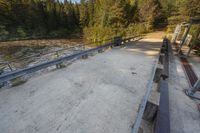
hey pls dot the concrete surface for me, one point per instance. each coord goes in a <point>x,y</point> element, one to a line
<point>193,59</point>
<point>184,114</point>
<point>98,95</point>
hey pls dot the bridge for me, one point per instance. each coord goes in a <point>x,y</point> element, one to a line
<point>127,86</point>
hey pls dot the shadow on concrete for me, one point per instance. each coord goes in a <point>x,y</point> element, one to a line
<point>144,47</point>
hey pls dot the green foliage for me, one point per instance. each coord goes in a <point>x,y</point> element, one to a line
<point>97,19</point>
<point>21,32</point>
<point>97,33</point>
<point>3,32</point>
<point>189,8</point>
<point>38,17</point>
<point>194,29</point>
<point>183,11</point>
<point>135,29</point>
<point>109,18</point>
<point>152,13</point>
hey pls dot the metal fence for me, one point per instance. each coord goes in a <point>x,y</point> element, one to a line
<point>21,72</point>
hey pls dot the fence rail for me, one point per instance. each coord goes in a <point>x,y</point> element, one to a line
<point>21,72</point>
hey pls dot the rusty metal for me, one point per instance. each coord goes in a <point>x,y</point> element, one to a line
<point>191,75</point>
<point>188,69</point>
<point>163,116</point>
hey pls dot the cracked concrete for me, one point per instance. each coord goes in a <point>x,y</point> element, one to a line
<point>98,95</point>
<point>184,114</point>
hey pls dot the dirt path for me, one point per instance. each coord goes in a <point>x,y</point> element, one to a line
<point>42,42</point>
<point>155,35</point>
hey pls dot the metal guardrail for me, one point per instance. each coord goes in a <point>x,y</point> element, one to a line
<point>53,52</point>
<point>143,104</point>
<point>163,123</point>
<point>21,72</point>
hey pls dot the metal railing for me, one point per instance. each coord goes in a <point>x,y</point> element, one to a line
<point>162,122</point>
<point>21,72</point>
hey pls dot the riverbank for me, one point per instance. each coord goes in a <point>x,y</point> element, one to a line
<point>42,42</point>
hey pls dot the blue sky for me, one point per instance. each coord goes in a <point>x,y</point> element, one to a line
<point>76,0</point>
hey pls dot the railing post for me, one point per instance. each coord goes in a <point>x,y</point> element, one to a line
<point>10,66</point>
<point>176,33</point>
<point>117,40</point>
<point>192,91</point>
<point>184,37</point>
<point>57,55</point>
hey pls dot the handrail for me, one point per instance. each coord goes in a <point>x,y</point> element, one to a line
<point>21,72</point>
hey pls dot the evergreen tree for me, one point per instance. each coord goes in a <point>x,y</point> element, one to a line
<point>151,12</point>
<point>38,17</point>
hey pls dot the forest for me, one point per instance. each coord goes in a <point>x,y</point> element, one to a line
<point>91,19</point>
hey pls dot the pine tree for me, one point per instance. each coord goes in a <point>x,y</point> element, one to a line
<point>84,14</point>
<point>151,12</point>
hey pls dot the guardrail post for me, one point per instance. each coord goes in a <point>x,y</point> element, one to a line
<point>100,51</point>
<point>85,56</point>
<point>192,92</point>
<point>1,72</point>
<point>117,40</point>
<point>57,65</point>
<point>176,33</point>
<point>10,67</point>
<point>184,37</point>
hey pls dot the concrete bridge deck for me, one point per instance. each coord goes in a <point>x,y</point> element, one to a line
<point>98,95</point>
<point>184,113</point>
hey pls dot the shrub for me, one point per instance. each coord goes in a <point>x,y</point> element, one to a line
<point>98,34</point>
<point>138,28</point>
<point>21,32</point>
<point>3,33</point>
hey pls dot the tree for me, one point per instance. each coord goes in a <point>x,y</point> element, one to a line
<point>39,17</point>
<point>151,12</point>
<point>84,14</point>
<point>190,8</point>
